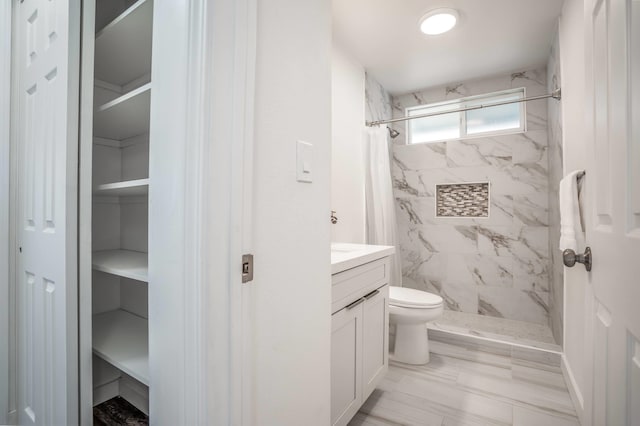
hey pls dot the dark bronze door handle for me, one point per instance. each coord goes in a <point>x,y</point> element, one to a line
<point>569,258</point>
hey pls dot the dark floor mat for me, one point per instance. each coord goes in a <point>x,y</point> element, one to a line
<point>118,411</point>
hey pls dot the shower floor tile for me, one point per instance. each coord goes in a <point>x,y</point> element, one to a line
<point>510,331</point>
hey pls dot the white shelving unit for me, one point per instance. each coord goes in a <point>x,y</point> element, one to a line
<point>123,263</point>
<point>123,189</point>
<point>124,117</point>
<point>123,47</point>
<point>122,339</point>
<point>120,170</point>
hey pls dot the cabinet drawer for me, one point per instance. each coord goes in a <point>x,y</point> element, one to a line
<point>354,283</point>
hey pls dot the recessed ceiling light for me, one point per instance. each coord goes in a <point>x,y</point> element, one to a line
<point>438,21</point>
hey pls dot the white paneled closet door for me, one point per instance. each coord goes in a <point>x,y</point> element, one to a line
<point>45,113</point>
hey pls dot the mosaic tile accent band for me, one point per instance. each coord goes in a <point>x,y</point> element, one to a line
<point>462,200</point>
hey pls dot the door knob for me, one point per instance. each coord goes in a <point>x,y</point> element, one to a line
<point>569,258</point>
<point>334,218</point>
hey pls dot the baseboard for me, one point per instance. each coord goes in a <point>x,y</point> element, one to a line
<point>574,390</point>
<point>105,392</point>
<point>128,388</point>
<point>135,392</point>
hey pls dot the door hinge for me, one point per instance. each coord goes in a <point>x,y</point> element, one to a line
<point>247,268</point>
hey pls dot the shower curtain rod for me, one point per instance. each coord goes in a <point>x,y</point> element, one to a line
<point>556,94</point>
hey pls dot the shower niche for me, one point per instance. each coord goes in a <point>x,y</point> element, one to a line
<point>462,199</point>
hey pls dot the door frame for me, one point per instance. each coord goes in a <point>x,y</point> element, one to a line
<point>12,417</point>
<point>5,164</point>
<point>85,190</point>
<point>214,81</point>
<point>220,102</point>
<point>202,108</point>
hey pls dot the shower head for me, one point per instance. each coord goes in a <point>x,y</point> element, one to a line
<point>392,132</point>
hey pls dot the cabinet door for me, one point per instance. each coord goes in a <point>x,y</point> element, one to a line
<point>375,332</point>
<point>346,364</point>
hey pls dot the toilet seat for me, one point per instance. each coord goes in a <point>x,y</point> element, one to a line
<point>411,298</point>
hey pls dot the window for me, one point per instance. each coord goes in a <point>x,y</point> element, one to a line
<point>509,118</point>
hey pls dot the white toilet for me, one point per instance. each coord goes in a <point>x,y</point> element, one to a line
<point>409,311</point>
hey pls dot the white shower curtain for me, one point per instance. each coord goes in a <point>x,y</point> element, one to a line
<point>380,204</point>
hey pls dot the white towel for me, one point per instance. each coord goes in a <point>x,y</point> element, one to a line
<point>571,232</point>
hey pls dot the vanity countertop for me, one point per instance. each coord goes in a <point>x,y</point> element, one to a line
<point>346,255</point>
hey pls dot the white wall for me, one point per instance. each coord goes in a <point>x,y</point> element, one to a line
<point>292,285</point>
<point>347,159</point>
<point>576,290</point>
<point>5,85</point>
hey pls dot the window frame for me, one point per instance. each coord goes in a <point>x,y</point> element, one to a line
<point>462,124</point>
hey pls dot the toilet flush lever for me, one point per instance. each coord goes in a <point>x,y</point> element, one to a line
<point>569,258</point>
<point>247,268</point>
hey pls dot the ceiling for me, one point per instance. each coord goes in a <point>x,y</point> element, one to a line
<point>492,37</point>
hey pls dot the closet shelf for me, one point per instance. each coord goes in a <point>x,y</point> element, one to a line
<point>123,189</point>
<point>123,47</point>
<point>124,263</point>
<point>124,117</point>
<point>122,339</point>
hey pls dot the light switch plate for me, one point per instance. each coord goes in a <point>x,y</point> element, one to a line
<point>304,162</point>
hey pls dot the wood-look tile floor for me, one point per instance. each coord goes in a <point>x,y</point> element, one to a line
<point>461,386</point>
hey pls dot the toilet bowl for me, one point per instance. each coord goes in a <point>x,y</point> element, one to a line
<point>409,312</point>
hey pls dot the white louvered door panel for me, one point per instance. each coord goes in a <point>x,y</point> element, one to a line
<point>46,139</point>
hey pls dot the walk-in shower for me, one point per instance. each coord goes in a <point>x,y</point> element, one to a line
<point>496,266</point>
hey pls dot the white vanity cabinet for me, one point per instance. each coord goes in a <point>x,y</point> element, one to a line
<point>375,344</point>
<point>346,364</point>
<point>359,353</point>
<point>359,333</point>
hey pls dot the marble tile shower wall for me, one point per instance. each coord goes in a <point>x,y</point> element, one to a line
<point>497,266</point>
<point>377,102</point>
<point>556,295</point>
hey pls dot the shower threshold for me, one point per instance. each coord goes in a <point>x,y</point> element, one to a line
<point>497,329</point>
